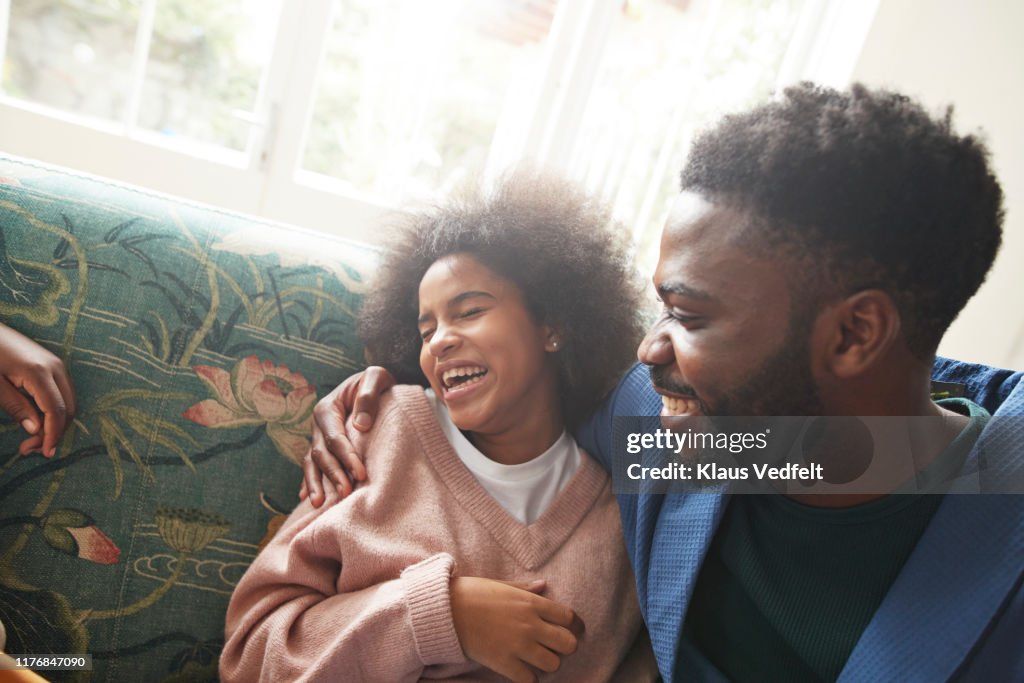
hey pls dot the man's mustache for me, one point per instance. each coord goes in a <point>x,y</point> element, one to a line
<point>661,379</point>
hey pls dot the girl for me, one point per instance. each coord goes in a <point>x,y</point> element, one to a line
<point>484,543</point>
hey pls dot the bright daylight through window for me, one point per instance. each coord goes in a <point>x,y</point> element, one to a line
<point>326,112</point>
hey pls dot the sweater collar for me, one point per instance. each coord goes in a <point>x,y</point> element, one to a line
<point>530,545</point>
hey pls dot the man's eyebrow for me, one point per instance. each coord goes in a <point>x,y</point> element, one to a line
<point>458,299</point>
<point>679,289</point>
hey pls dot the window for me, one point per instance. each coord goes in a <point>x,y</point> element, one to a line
<point>410,93</point>
<point>327,112</point>
<point>185,70</point>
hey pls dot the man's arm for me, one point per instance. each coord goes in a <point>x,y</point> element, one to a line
<point>332,459</point>
<point>332,453</point>
<point>631,397</point>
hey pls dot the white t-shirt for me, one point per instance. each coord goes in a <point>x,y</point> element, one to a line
<point>524,490</point>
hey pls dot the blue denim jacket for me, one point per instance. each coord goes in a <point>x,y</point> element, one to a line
<point>955,612</point>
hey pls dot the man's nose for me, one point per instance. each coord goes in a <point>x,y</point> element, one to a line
<point>656,348</point>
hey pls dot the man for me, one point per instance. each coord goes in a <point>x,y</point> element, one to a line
<point>819,249</point>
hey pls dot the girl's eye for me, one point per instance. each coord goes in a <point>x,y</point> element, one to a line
<point>469,313</point>
<point>425,334</point>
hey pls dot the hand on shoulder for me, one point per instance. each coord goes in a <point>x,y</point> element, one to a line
<point>333,460</point>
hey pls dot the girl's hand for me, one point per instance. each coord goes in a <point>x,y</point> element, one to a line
<point>509,628</point>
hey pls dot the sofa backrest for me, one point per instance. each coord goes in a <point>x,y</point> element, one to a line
<point>198,341</point>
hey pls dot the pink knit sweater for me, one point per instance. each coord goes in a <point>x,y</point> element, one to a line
<point>357,590</point>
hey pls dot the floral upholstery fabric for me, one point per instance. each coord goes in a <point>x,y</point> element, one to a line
<point>198,341</point>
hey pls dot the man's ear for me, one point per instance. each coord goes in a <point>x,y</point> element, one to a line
<point>857,332</point>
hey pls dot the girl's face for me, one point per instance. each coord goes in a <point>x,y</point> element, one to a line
<point>483,353</point>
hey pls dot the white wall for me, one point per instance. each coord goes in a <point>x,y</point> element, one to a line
<point>970,54</point>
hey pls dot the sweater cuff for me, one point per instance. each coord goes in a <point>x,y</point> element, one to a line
<point>428,596</point>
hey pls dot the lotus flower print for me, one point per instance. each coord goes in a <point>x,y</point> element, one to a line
<point>259,392</point>
<point>94,545</point>
<point>74,532</point>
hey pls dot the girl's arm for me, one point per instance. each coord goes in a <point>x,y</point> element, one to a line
<point>287,621</point>
<point>510,629</point>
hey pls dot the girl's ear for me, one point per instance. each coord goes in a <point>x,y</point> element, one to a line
<point>552,338</point>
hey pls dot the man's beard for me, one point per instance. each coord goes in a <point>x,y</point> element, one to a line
<point>781,386</point>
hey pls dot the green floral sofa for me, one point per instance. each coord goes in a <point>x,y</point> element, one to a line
<point>198,341</point>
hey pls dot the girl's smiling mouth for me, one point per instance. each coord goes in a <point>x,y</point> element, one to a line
<point>458,381</point>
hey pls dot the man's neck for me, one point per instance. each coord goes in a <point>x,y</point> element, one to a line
<point>930,429</point>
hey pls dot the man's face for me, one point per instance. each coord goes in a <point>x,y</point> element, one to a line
<point>724,344</point>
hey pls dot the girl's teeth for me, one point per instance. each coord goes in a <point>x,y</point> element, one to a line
<point>449,375</point>
<point>472,380</point>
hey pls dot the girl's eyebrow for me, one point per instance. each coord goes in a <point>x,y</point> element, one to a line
<point>472,294</point>
<point>458,299</point>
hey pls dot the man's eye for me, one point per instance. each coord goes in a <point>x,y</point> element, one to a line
<point>680,317</point>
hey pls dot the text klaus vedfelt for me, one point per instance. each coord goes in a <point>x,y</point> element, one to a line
<point>735,442</point>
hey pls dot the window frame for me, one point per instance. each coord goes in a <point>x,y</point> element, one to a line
<point>267,180</point>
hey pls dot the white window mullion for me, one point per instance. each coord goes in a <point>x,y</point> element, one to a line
<point>567,31</point>
<point>683,104</point>
<point>828,42</point>
<point>291,89</point>
<point>5,23</point>
<point>582,60</point>
<point>143,40</point>
<point>265,115</point>
<point>802,44</point>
